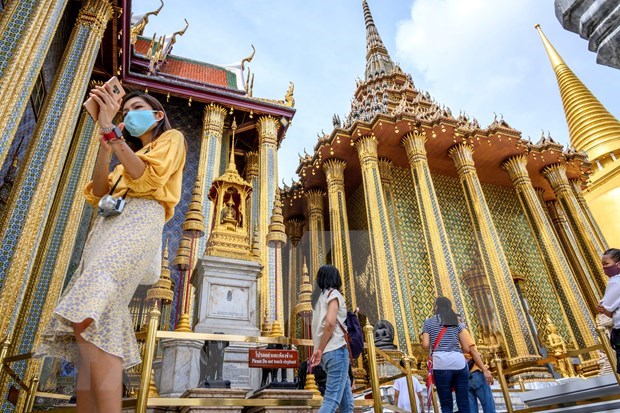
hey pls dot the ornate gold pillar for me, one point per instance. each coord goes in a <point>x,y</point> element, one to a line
<point>381,241</point>
<point>21,226</point>
<point>556,175</point>
<point>446,279</point>
<point>316,230</point>
<point>579,323</point>
<point>339,225</point>
<point>251,175</point>
<point>54,253</point>
<point>26,31</point>
<point>518,341</point>
<point>589,289</point>
<point>385,171</point>
<point>276,239</point>
<point>599,240</point>
<point>294,232</point>
<point>209,163</point>
<point>268,177</point>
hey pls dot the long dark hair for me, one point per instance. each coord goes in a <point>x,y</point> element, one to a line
<point>162,126</point>
<point>447,316</point>
<point>327,277</point>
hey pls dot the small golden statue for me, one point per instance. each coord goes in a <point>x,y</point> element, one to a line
<point>229,214</point>
<point>556,344</point>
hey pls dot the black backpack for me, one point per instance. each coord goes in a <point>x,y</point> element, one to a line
<point>356,335</point>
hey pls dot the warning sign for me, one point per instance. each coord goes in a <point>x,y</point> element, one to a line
<point>273,359</point>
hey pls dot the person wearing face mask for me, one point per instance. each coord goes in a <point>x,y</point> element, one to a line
<point>91,326</point>
<point>610,304</point>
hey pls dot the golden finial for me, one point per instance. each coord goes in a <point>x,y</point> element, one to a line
<point>311,385</point>
<point>162,289</point>
<point>255,243</point>
<point>265,328</point>
<point>153,392</point>
<point>181,261</point>
<point>138,28</point>
<point>288,97</point>
<point>304,305</point>
<point>276,234</point>
<point>276,329</point>
<point>248,59</point>
<point>194,226</point>
<point>590,125</point>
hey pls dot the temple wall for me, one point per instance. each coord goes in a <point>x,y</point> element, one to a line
<point>365,287</point>
<point>517,241</point>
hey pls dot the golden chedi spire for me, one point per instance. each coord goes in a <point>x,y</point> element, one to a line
<point>277,230</point>
<point>162,289</point>
<point>304,305</point>
<point>378,60</point>
<point>590,125</point>
<point>194,226</point>
<point>276,329</point>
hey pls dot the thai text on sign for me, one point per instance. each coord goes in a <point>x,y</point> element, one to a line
<point>273,359</point>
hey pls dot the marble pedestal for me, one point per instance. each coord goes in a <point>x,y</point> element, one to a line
<point>180,369</point>
<point>214,394</point>
<point>226,303</point>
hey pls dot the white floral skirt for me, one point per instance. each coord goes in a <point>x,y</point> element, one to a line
<point>121,252</point>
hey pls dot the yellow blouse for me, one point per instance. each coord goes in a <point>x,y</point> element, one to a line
<point>161,180</point>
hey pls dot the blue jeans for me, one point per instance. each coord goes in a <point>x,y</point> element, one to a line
<point>338,386</point>
<point>480,389</point>
<point>445,380</point>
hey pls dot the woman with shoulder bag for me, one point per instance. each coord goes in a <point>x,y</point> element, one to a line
<point>91,326</point>
<point>442,335</point>
<point>329,315</point>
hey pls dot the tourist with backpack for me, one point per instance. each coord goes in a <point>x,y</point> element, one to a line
<point>329,334</point>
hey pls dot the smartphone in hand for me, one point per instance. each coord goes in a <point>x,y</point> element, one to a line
<point>93,107</point>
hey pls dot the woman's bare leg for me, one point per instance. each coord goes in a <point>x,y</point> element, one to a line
<point>83,391</point>
<point>100,384</point>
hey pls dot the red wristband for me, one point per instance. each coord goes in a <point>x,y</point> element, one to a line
<point>112,135</point>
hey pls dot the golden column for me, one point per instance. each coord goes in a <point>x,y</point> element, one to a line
<point>385,171</point>
<point>251,175</point>
<point>26,31</point>
<point>589,289</point>
<point>267,127</point>
<point>556,175</point>
<point>579,323</point>
<point>599,240</point>
<point>443,268</point>
<point>276,239</point>
<point>316,229</point>
<point>517,338</point>
<point>28,207</point>
<point>209,161</point>
<point>294,232</point>
<point>339,225</point>
<point>53,255</point>
<point>380,235</point>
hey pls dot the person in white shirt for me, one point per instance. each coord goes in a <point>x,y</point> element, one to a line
<point>610,304</point>
<point>401,393</point>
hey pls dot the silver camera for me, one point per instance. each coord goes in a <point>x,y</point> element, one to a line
<point>110,206</point>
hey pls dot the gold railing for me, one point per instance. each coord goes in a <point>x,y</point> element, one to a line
<point>152,334</point>
<point>503,372</point>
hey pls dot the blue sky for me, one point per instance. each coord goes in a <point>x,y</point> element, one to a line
<point>480,56</point>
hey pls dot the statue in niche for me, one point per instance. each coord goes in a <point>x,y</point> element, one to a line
<point>384,335</point>
<point>212,364</point>
<point>556,344</point>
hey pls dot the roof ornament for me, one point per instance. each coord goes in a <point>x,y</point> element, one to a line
<point>249,58</point>
<point>139,22</point>
<point>288,97</point>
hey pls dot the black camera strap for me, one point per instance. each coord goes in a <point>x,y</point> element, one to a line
<point>114,187</point>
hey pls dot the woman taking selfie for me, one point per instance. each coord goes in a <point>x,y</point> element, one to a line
<point>91,326</point>
<point>329,315</point>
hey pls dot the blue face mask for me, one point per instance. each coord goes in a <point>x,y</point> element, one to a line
<point>138,122</point>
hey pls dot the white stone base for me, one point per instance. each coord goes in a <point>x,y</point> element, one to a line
<point>180,370</point>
